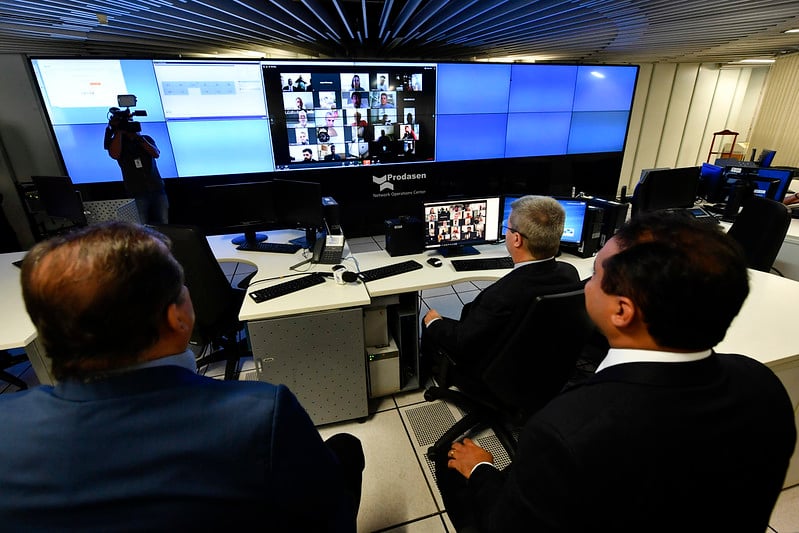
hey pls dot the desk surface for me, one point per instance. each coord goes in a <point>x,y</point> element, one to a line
<point>764,329</point>
<point>332,296</point>
<point>16,328</point>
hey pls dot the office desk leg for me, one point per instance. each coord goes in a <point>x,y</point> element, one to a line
<point>789,375</point>
<point>39,363</point>
<point>320,356</point>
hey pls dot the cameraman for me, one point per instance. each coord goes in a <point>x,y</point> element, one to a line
<point>136,155</point>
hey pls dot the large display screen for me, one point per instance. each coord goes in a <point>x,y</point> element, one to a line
<point>340,114</point>
<point>220,117</point>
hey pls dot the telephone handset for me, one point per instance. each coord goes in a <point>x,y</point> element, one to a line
<point>328,249</point>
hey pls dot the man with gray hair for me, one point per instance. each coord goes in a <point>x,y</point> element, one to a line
<point>532,239</point>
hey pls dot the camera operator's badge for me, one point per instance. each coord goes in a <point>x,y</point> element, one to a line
<point>137,162</point>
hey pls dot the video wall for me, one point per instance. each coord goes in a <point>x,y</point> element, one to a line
<point>225,117</point>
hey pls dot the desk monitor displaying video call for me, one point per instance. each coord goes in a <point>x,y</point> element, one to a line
<point>454,227</point>
<point>573,226</point>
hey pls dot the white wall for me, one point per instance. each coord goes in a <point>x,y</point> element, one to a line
<point>25,134</point>
<point>677,109</point>
<point>776,124</point>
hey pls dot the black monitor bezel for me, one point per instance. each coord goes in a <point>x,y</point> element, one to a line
<point>650,192</point>
<point>226,205</point>
<point>60,198</point>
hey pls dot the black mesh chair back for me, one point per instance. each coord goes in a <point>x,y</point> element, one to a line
<point>540,356</point>
<point>216,302</point>
<point>760,228</point>
<point>529,368</point>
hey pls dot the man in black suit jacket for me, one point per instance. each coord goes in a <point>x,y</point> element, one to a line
<point>667,435</point>
<point>532,240</point>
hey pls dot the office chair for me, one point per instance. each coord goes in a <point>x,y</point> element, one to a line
<point>7,360</point>
<point>529,368</point>
<point>216,302</point>
<point>8,237</point>
<point>760,228</point>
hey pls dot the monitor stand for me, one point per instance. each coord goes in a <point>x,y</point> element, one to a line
<point>307,241</point>
<point>250,237</point>
<point>458,251</point>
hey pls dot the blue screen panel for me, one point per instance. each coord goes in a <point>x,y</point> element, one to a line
<point>572,225</point>
<point>472,88</point>
<point>81,91</point>
<point>467,137</point>
<point>604,88</point>
<point>208,147</point>
<point>536,88</point>
<point>88,162</point>
<point>531,134</point>
<point>784,175</point>
<point>575,220</point>
<point>600,131</point>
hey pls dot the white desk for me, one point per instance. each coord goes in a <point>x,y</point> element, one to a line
<point>16,328</point>
<point>787,261</point>
<point>321,325</point>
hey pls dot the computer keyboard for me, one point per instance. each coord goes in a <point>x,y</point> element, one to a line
<point>727,162</point>
<point>482,263</point>
<point>389,270</point>
<point>287,287</point>
<point>274,247</point>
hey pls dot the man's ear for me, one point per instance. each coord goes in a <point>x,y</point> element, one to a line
<point>177,319</point>
<point>625,312</point>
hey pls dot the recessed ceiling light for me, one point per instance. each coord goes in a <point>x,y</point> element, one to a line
<point>756,61</point>
<point>795,30</point>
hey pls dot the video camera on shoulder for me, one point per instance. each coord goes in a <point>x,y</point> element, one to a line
<point>122,119</point>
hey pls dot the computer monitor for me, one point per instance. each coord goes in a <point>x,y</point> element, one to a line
<point>766,157</point>
<point>299,205</point>
<point>573,226</point>
<point>246,208</point>
<point>59,198</point>
<point>454,227</point>
<point>665,189</point>
<point>711,182</point>
<point>784,175</point>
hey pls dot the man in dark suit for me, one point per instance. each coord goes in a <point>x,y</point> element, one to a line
<point>532,240</point>
<point>131,438</point>
<point>667,435</point>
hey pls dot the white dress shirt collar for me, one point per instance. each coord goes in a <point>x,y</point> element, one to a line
<point>617,356</point>
<point>185,360</point>
<point>525,263</point>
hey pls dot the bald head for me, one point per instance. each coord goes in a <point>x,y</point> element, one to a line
<point>98,296</point>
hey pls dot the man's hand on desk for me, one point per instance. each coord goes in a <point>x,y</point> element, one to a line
<point>430,316</point>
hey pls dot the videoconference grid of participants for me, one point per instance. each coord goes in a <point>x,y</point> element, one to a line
<point>327,125</point>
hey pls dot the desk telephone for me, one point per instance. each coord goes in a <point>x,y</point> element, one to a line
<point>328,249</point>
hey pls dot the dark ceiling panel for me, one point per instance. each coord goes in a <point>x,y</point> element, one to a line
<point>601,31</point>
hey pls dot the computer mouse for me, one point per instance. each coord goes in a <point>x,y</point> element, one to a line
<point>435,261</point>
